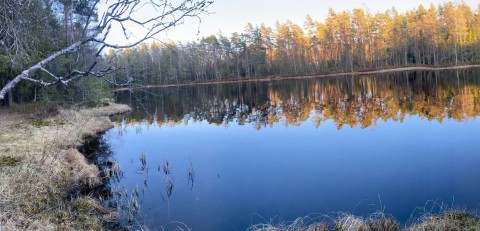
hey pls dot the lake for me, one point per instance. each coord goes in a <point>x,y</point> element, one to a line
<point>227,156</point>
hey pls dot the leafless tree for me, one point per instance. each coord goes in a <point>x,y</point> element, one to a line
<point>125,14</point>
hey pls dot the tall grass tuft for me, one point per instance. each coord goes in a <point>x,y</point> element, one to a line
<point>380,222</point>
<point>350,223</point>
<point>114,171</point>
<point>307,223</point>
<point>449,220</point>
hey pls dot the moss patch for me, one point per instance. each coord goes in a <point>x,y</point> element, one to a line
<point>9,161</point>
<point>46,123</point>
<point>465,221</point>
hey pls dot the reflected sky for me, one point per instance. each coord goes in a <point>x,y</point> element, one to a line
<point>246,175</point>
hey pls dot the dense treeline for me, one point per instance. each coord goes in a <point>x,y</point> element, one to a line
<point>447,34</point>
<point>349,40</point>
<point>347,101</point>
<point>32,30</point>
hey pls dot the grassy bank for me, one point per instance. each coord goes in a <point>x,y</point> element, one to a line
<point>447,221</point>
<point>41,170</point>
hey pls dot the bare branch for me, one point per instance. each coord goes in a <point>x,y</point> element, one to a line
<point>49,73</point>
<point>119,12</point>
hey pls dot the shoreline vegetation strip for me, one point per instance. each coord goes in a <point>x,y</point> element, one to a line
<point>280,78</point>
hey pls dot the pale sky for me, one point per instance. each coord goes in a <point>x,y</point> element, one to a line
<point>230,16</point>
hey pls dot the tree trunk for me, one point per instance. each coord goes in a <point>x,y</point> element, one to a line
<point>9,100</point>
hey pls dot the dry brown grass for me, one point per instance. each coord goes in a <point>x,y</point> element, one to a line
<point>7,119</point>
<point>307,223</point>
<point>451,221</point>
<point>82,172</point>
<point>350,223</point>
<point>37,189</point>
<point>447,221</point>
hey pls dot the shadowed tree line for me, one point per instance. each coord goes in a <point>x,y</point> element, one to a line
<point>59,43</point>
<point>347,101</point>
<point>31,30</point>
<point>448,34</point>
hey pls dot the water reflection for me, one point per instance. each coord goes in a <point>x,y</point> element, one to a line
<point>352,101</point>
<point>179,163</point>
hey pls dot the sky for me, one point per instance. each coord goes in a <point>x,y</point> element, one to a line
<point>228,16</point>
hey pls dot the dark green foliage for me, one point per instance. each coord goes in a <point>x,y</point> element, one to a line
<point>33,31</point>
<point>463,221</point>
<point>8,161</point>
<point>86,91</point>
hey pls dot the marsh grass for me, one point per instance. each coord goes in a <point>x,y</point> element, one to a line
<point>114,171</point>
<point>41,171</point>
<point>307,223</point>
<point>452,220</point>
<point>173,225</point>
<point>449,220</point>
<point>133,207</point>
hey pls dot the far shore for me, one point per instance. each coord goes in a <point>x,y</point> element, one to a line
<point>279,78</point>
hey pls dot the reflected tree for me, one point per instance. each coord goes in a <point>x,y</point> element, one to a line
<point>359,101</point>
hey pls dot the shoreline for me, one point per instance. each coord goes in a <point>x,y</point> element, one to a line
<point>326,75</point>
<point>86,213</point>
<point>450,220</point>
<point>42,172</point>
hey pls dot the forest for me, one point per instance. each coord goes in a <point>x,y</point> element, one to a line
<point>32,30</point>
<point>444,35</point>
<point>357,40</point>
<point>52,50</point>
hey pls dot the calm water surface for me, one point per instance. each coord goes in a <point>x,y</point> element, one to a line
<point>275,151</point>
